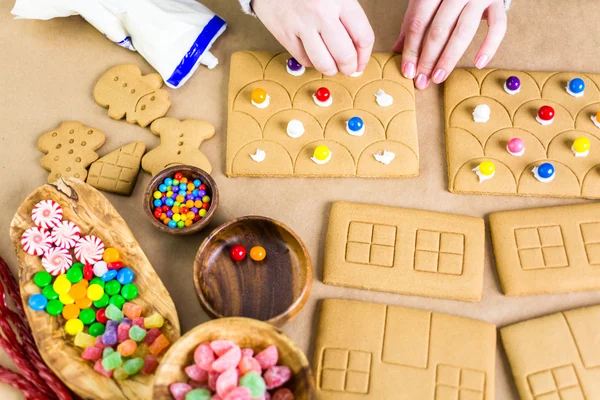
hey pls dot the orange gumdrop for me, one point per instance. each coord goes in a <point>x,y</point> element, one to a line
<point>159,344</point>
<point>259,95</point>
<point>127,348</point>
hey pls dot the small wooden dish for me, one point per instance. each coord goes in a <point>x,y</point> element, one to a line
<point>190,173</point>
<point>273,290</point>
<point>246,333</point>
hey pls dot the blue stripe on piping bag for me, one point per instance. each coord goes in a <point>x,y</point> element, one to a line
<point>196,50</point>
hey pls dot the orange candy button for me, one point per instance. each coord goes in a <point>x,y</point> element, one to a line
<point>259,95</point>
<point>258,253</point>
<point>83,303</point>
<point>78,291</point>
<point>70,311</point>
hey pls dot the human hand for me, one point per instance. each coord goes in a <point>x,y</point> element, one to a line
<point>330,35</point>
<point>436,33</point>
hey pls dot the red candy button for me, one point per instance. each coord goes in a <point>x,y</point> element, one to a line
<point>546,113</point>
<point>178,176</point>
<point>115,265</point>
<point>101,316</point>
<point>322,94</point>
<point>237,252</point>
<point>88,272</point>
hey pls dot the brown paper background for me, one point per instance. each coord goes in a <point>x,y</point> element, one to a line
<point>49,69</point>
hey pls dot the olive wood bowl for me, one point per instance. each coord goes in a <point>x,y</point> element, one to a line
<point>273,290</point>
<point>247,333</point>
<point>191,173</point>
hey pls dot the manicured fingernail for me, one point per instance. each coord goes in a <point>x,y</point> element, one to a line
<point>422,82</point>
<point>409,70</point>
<point>439,75</point>
<point>482,61</point>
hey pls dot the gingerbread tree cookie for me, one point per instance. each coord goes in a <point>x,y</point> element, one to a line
<point>127,93</point>
<point>70,149</point>
<point>179,144</point>
<point>117,171</point>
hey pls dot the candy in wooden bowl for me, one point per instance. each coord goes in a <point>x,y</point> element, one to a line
<point>93,214</point>
<point>230,282</point>
<point>157,187</point>
<point>246,333</point>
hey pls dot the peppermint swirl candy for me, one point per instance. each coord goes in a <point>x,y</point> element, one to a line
<point>36,241</point>
<point>57,261</point>
<point>66,234</point>
<point>89,249</point>
<point>47,214</point>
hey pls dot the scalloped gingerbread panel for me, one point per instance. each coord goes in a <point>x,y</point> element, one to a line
<point>556,356</point>
<point>547,250</point>
<point>469,143</point>
<point>375,351</point>
<point>387,149</point>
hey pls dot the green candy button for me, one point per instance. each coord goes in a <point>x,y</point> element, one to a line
<point>50,293</point>
<point>87,316</point>
<point>74,275</point>
<point>112,287</point>
<point>129,291</point>
<point>54,307</point>
<point>117,300</point>
<point>97,281</point>
<point>42,279</point>
<point>102,302</point>
<point>96,329</point>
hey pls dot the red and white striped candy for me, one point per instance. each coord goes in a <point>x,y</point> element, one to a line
<point>36,241</point>
<point>65,234</point>
<point>57,261</point>
<point>47,214</point>
<point>89,249</point>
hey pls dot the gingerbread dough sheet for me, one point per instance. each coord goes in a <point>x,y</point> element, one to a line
<point>514,116</point>
<point>405,251</point>
<point>374,351</point>
<point>547,250</point>
<point>556,356</point>
<point>387,149</point>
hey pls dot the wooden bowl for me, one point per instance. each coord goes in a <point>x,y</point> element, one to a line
<point>246,333</point>
<point>273,290</point>
<point>94,214</point>
<point>190,173</point>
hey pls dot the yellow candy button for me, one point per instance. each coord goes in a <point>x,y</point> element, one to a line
<point>66,298</point>
<point>321,153</point>
<point>581,145</point>
<point>95,292</point>
<point>74,326</point>
<point>61,284</point>
<point>487,168</point>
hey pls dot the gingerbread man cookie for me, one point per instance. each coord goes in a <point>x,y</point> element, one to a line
<point>70,149</point>
<point>127,93</point>
<point>179,144</point>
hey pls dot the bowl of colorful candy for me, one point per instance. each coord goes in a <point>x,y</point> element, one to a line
<point>234,358</point>
<point>181,200</point>
<point>253,267</point>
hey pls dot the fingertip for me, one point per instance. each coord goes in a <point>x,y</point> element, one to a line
<point>421,82</point>
<point>409,70</point>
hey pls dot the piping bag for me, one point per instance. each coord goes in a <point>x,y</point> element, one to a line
<point>174,36</point>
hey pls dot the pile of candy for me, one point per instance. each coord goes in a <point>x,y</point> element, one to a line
<point>179,203</point>
<point>224,371</point>
<point>92,293</point>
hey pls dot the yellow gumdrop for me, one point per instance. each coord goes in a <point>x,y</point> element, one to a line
<point>321,153</point>
<point>154,321</point>
<point>111,254</point>
<point>95,292</point>
<point>487,168</point>
<point>259,95</point>
<point>73,326</point>
<point>61,284</point>
<point>581,145</point>
<point>84,340</point>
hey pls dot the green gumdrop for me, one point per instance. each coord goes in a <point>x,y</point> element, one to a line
<point>107,352</point>
<point>112,361</point>
<point>54,307</point>
<point>50,293</point>
<point>87,316</point>
<point>113,313</point>
<point>97,329</point>
<point>102,302</point>
<point>97,281</point>
<point>255,383</point>
<point>74,275</point>
<point>112,287</point>
<point>133,366</point>
<point>129,291</point>
<point>42,279</point>
<point>136,333</point>
<point>117,300</point>
<point>198,394</point>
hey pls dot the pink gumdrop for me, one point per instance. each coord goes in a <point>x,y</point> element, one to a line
<point>227,381</point>
<point>179,390</point>
<point>228,360</point>
<point>283,394</point>
<point>194,372</point>
<point>276,376</point>
<point>123,332</point>
<point>139,322</point>
<point>247,352</point>
<point>267,396</point>
<point>248,364</point>
<point>220,347</point>
<point>515,146</point>
<point>91,353</point>
<point>238,393</point>
<point>100,369</point>
<point>216,397</point>
<point>212,380</point>
<point>204,356</point>
<point>268,357</point>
